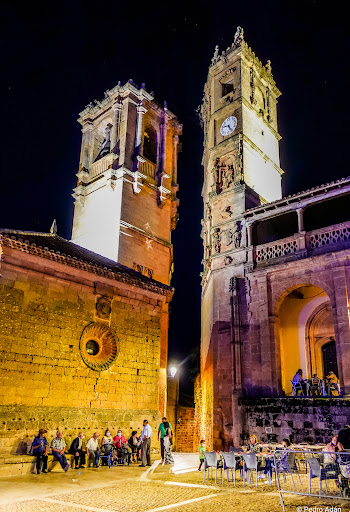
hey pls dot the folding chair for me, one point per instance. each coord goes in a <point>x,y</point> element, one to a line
<point>210,461</point>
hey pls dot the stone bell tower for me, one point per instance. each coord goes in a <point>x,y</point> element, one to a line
<point>125,199</point>
<point>241,170</point>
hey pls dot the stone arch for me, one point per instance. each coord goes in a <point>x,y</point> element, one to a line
<point>294,311</point>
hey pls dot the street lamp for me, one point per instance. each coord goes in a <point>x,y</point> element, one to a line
<point>172,371</point>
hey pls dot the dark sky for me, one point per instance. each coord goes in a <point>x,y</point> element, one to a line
<point>59,57</point>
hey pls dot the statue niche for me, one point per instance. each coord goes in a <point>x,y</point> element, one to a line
<point>105,148</point>
<point>223,174</point>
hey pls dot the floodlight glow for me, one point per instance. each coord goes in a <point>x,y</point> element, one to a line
<point>173,371</point>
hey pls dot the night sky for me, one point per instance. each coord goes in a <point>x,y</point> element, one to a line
<point>59,57</point>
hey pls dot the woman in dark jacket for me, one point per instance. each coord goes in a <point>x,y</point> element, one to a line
<point>134,444</point>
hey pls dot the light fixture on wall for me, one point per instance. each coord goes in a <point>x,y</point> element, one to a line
<point>172,371</point>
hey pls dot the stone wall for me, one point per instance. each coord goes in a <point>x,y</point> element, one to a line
<point>185,431</point>
<point>44,382</point>
<point>20,424</point>
<point>299,419</point>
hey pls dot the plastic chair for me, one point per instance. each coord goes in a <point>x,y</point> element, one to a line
<point>210,461</point>
<point>293,463</point>
<point>315,386</point>
<point>333,386</point>
<point>324,474</point>
<point>282,465</point>
<point>250,464</point>
<point>296,386</point>
<point>229,463</point>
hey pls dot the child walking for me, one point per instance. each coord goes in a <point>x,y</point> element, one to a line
<point>201,454</point>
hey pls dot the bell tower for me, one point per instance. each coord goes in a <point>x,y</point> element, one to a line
<point>241,170</point>
<point>125,200</point>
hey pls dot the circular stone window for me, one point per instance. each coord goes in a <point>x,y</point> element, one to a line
<point>98,346</point>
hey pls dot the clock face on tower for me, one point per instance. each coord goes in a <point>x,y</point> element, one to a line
<point>228,125</point>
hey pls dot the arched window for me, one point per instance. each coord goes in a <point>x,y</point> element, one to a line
<point>149,144</point>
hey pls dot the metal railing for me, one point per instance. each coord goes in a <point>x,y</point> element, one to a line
<point>317,474</point>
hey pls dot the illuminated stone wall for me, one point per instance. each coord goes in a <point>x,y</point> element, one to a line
<point>45,306</point>
<point>298,419</point>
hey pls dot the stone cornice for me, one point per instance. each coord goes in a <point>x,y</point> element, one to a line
<point>118,273</point>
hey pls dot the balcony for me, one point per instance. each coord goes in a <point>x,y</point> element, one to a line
<point>147,167</point>
<point>301,245</point>
<point>102,165</point>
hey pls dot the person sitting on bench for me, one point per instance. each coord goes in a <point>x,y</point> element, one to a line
<point>58,446</point>
<point>40,448</point>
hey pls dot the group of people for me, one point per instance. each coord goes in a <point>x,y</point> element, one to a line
<point>315,383</point>
<point>115,449</point>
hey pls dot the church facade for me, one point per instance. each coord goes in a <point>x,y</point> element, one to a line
<point>84,323</point>
<point>276,271</point>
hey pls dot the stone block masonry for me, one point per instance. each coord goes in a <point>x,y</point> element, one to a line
<point>313,420</point>
<point>185,431</point>
<point>49,378</point>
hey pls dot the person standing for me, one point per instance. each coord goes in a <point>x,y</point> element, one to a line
<point>76,449</point>
<point>40,448</point>
<point>161,433</point>
<point>146,444</point>
<point>92,449</point>
<point>201,450</point>
<point>58,446</point>
<point>167,441</point>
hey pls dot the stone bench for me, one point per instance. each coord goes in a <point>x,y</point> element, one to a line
<point>12,465</point>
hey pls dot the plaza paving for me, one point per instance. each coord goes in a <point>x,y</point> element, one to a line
<point>133,489</point>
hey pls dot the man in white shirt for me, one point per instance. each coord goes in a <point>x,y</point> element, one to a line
<point>92,448</point>
<point>146,444</point>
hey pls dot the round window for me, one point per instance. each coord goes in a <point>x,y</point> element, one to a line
<point>92,347</point>
<point>98,346</point>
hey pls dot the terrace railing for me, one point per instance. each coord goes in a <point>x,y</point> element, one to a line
<point>301,245</point>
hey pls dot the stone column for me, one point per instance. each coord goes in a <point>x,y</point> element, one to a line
<point>250,233</point>
<point>138,141</point>
<point>176,142</point>
<point>300,213</point>
<point>341,312</point>
<point>116,133</point>
<point>85,146</point>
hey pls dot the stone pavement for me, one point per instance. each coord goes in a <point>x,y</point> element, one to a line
<point>132,489</point>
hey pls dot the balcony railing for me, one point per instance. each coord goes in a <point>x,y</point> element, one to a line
<point>102,165</point>
<point>147,167</point>
<point>300,245</point>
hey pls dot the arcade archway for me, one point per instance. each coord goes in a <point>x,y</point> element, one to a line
<point>305,333</point>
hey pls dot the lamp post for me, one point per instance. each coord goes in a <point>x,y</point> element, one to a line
<point>173,398</point>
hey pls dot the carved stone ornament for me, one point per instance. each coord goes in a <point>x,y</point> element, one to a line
<point>226,237</point>
<point>217,240</point>
<point>103,308</point>
<point>237,235</point>
<point>226,212</point>
<point>215,56</point>
<point>239,37</point>
<point>228,260</point>
<point>98,346</point>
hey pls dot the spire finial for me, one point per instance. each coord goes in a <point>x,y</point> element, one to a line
<point>239,37</point>
<point>53,229</point>
<point>215,56</point>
